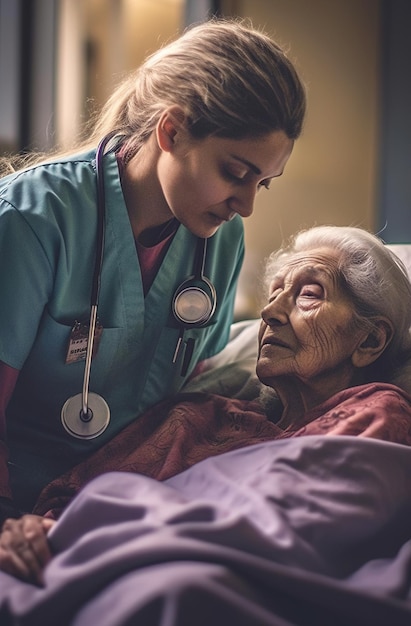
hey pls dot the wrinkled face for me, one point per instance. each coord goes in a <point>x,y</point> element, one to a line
<point>206,182</point>
<point>307,329</point>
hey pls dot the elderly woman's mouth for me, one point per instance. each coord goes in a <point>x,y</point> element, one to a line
<point>274,341</point>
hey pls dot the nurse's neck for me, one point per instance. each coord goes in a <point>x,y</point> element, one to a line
<point>143,196</point>
<point>156,234</point>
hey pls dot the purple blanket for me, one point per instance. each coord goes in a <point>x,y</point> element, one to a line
<point>181,431</point>
<point>307,531</point>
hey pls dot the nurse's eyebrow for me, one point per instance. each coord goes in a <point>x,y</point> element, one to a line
<point>252,167</point>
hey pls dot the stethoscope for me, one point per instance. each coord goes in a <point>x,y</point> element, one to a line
<point>87,415</point>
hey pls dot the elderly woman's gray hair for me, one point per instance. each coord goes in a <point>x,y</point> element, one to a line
<point>375,278</point>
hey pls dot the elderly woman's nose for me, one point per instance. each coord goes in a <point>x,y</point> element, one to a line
<point>275,312</point>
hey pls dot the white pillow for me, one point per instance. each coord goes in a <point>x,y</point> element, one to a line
<point>403,251</point>
<point>231,372</point>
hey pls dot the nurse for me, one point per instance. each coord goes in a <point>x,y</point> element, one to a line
<point>189,139</point>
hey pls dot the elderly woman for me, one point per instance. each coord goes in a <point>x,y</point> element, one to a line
<point>338,316</point>
<point>334,331</point>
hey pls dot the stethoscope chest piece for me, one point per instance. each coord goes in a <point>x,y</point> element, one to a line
<point>85,426</point>
<point>194,302</point>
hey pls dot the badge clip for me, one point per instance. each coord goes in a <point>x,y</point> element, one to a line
<point>77,347</point>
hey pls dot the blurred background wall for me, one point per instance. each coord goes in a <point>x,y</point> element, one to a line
<point>60,59</point>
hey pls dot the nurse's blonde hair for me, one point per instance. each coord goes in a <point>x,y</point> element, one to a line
<point>230,80</point>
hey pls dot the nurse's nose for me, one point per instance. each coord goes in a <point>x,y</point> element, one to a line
<point>242,202</point>
<point>276,312</point>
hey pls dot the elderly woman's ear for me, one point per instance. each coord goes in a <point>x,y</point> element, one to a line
<point>374,344</point>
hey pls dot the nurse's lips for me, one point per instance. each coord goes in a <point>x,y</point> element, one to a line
<point>222,219</point>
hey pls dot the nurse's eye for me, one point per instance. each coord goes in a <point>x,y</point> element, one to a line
<point>264,184</point>
<point>235,174</point>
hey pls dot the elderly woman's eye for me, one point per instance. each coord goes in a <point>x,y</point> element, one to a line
<point>311,291</point>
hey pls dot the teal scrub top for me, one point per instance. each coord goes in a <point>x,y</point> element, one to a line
<point>48,217</point>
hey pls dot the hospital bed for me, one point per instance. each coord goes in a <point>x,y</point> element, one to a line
<point>311,531</point>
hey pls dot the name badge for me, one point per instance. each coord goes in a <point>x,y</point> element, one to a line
<point>77,347</point>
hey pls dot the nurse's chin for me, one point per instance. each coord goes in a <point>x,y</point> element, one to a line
<point>206,233</point>
<point>214,222</point>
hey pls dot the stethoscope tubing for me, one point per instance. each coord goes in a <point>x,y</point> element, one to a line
<point>85,413</point>
<point>96,281</point>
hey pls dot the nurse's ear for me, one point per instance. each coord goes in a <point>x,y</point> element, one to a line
<point>169,126</point>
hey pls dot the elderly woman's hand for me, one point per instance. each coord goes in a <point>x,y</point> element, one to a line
<point>24,549</point>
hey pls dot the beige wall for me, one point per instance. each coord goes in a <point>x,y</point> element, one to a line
<point>331,175</point>
<point>118,34</point>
